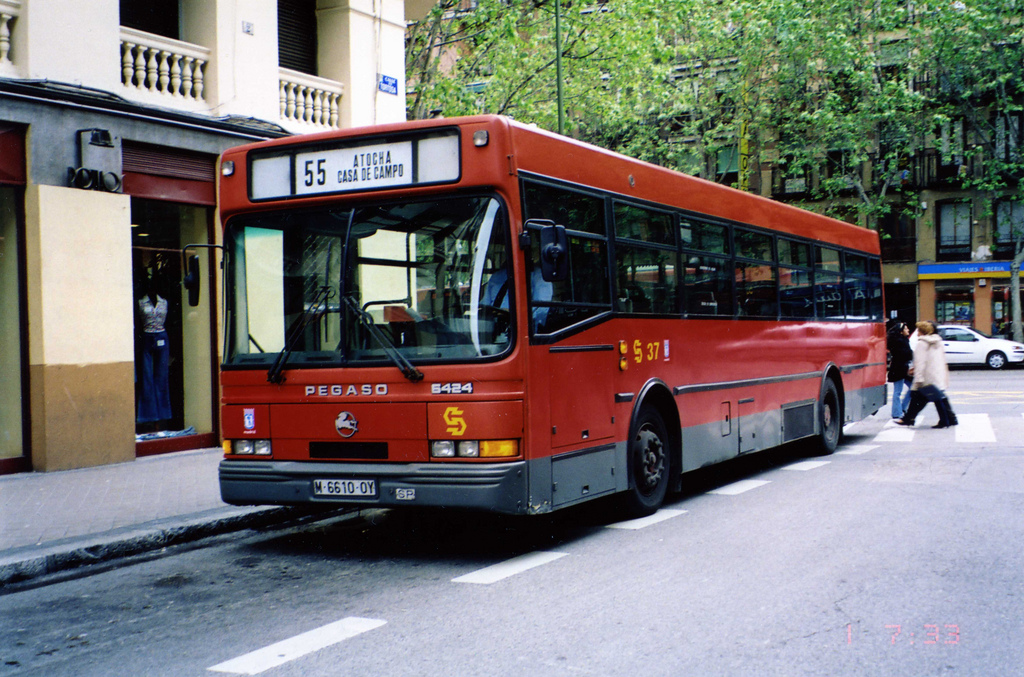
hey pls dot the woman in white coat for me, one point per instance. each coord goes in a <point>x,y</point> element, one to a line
<point>931,378</point>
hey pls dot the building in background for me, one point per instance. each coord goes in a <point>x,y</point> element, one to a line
<point>112,114</point>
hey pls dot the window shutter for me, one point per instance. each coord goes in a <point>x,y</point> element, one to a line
<point>159,161</point>
<point>296,35</point>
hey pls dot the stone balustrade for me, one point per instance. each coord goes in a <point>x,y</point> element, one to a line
<point>9,11</point>
<point>156,65</point>
<point>310,100</point>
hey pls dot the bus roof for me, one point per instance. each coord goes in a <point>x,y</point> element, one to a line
<point>537,151</point>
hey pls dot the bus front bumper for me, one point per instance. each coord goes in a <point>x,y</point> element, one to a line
<point>497,487</point>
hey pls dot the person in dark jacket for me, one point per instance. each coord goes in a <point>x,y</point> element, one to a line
<point>901,356</point>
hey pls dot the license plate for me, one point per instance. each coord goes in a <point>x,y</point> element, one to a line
<point>345,488</point>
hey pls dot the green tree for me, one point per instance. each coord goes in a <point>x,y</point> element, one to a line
<point>975,53</point>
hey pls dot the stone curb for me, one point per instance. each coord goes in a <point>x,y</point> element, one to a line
<point>24,564</point>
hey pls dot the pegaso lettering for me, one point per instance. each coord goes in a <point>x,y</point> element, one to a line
<point>347,390</point>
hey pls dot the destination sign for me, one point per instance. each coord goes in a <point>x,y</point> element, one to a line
<point>356,168</point>
<point>363,166</point>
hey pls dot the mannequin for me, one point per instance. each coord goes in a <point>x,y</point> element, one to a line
<point>155,400</point>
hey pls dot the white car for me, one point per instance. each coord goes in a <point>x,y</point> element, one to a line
<point>967,346</point>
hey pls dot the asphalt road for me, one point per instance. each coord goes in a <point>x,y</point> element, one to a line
<point>898,555</point>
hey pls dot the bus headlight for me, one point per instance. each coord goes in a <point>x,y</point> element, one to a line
<point>442,449</point>
<point>469,449</point>
<point>248,447</point>
<point>474,448</point>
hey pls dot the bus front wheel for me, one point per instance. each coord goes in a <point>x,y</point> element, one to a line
<point>648,464</point>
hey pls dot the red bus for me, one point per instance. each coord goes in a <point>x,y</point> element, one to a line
<point>475,313</point>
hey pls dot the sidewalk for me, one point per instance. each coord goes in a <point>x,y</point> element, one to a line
<point>55,521</point>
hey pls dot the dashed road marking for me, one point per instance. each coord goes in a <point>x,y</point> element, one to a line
<point>739,487</point>
<point>503,570</point>
<point>974,428</point>
<point>806,465</point>
<point>660,516</point>
<point>287,650</point>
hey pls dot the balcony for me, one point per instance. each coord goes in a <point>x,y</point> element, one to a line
<point>9,12</point>
<point>161,71</point>
<point>309,103</point>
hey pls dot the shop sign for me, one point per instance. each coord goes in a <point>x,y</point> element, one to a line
<point>947,271</point>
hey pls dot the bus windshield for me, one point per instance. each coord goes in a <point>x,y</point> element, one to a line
<point>390,283</point>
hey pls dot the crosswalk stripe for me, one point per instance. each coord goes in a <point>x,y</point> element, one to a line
<point>806,465</point>
<point>287,650</point>
<point>738,487</point>
<point>857,449</point>
<point>503,570</point>
<point>895,434</point>
<point>660,516</point>
<point>975,428</point>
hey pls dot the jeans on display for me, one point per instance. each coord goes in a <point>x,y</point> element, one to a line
<point>155,399</point>
<point>899,405</point>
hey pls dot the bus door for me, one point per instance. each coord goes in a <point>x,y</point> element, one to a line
<point>580,382</point>
<point>746,423</point>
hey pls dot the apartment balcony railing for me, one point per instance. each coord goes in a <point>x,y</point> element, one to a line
<point>9,11</point>
<point>307,100</point>
<point>162,70</point>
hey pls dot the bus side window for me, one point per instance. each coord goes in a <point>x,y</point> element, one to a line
<point>645,261</point>
<point>828,281</point>
<point>795,290</point>
<point>560,304</point>
<point>708,271</point>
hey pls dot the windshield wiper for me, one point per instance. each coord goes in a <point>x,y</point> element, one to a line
<point>397,358</point>
<point>316,309</point>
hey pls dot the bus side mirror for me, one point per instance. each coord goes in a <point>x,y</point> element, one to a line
<point>554,253</point>
<point>192,281</point>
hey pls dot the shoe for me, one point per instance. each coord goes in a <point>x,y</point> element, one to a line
<point>900,421</point>
<point>941,425</point>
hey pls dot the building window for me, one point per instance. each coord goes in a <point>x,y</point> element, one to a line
<point>1009,130</point>
<point>899,235</point>
<point>159,17</point>
<point>1009,228</point>
<point>954,242</point>
<point>727,165</point>
<point>296,35</point>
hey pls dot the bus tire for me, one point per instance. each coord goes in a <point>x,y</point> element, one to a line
<point>830,419</point>
<point>649,463</point>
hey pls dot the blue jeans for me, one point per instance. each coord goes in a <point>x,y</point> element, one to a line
<point>155,399</point>
<point>900,405</point>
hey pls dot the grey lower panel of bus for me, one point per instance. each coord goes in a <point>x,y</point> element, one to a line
<point>493,486</point>
<point>712,443</point>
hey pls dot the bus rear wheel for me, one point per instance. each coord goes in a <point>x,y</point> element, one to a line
<point>648,455</point>
<point>830,420</point>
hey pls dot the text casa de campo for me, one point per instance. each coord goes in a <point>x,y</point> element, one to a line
<point>371,167</point>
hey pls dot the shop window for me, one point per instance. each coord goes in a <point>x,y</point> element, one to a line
<point>174,386</point>
<point>954,232</point>
<point>1002,321</point>
<point>954,305</point>
<point>12,395</point>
